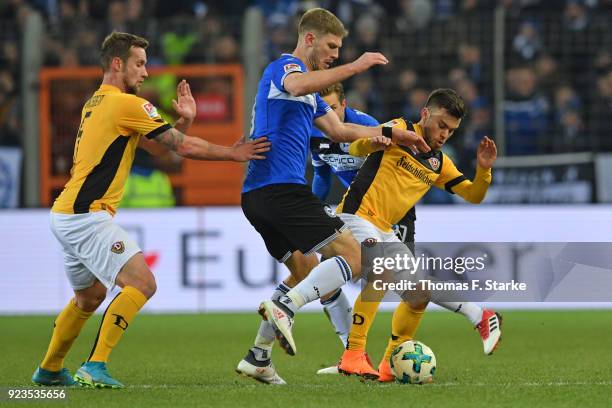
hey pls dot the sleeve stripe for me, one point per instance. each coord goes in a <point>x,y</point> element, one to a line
<point>459,179</point>
<point>155,132</point>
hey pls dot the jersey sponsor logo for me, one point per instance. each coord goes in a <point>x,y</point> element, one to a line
<point>434,163</point>
<point>292,68</point>
<point>338,159</point>
<point>329,211</point>
<point>150,110</point>
<point>342,162</point>
<point>118,247</point>
<point>418,173</point>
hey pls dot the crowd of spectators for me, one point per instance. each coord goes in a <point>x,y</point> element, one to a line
<point>558,56</point>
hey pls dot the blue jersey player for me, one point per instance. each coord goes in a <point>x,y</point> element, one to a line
<point>294,223</point>
<point>330,157</point>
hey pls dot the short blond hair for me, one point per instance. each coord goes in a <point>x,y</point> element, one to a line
<point>336,88</point>
<point>321,22</point>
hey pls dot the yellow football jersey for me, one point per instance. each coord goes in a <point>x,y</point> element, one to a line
<point>391,182</point>
<point>111,124</point>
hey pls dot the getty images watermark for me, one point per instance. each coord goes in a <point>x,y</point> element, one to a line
<point>491,271</point>
<point>407,263</point>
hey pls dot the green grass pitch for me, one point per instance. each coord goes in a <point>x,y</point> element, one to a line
<point>546,359</point>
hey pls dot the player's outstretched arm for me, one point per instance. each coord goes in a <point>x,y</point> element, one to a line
<point>300,84</point>
<point>349,132</point>
<point>487,153</point>
<point>185,106</point>
<point>199,149</point>
<point>154,149</point>
<point>476,190</point>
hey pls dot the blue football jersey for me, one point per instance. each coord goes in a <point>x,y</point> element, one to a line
<point>335,155</point>
<point>287,122</point>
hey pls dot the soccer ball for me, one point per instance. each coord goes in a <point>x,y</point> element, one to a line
<point>413,362</point>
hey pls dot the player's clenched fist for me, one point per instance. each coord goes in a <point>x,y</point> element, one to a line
<point>367,60</point>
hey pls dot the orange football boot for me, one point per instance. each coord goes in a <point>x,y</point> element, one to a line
<point>385,374</point>
<point>357,362</point>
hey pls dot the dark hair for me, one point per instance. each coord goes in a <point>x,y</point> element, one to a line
<point>321,22</point>
<point>337,88</point>
<point>448,99</point>
<point>118,44</point>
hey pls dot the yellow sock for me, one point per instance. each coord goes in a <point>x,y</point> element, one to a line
<point>116,320</point>
<point>66,328</point>
<point>404,325</point>
<point>364,313</point>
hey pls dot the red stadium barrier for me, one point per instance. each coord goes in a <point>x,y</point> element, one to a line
<point>217,90</point>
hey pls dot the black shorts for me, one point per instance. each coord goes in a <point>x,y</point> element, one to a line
<point>289,218</point>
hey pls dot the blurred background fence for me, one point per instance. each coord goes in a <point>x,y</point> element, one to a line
<point>536,75</point>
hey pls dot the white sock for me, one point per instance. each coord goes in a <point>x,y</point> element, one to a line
<point>472,311</point>
<point>340,313</point>
<point>265,335</point>
<point>326,277</point>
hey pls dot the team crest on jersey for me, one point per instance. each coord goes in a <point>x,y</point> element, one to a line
<point>150,110</point>
<point>292,68</point>
<point>369,242</point>
<point>118,247</point>
<point>329,211</point>
<point>434,163</point>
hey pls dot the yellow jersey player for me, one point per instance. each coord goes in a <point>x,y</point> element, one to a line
<point>390,182</point>
<point>99,254</point>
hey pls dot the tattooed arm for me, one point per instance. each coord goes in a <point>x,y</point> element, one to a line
<point>199,149</point>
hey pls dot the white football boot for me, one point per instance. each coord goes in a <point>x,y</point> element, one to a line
<point>282,322</point>
<point>265,373</point>
<point>329,370</point>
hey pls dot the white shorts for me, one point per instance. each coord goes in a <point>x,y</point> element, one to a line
<point>363,230</point>
<point>93,247</point>
<point>367,234</point>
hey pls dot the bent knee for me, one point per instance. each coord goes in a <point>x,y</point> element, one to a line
<point>151,289</point>
<point>147,286</point>
<point>89,302</point>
